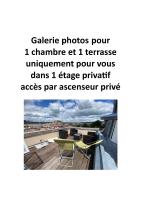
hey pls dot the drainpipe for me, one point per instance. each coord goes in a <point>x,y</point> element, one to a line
<point>115,106</point>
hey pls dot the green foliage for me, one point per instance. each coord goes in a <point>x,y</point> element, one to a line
<point>96,124</point>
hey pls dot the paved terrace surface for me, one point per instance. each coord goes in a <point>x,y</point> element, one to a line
<point>47,158</point>
<point>35,137</point>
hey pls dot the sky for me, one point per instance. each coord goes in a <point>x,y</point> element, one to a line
<point>66,110</point>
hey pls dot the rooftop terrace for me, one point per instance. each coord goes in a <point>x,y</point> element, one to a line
<point>45,155</point>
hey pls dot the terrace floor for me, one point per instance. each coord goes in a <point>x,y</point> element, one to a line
<point>47,158</point>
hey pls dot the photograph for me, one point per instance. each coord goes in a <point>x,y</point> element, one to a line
<point>70,134</point>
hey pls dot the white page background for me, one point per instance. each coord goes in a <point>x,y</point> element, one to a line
<point>119,20</point>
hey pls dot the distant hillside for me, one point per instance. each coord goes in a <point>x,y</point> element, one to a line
<point>30,122</point>
<point>95,124</point>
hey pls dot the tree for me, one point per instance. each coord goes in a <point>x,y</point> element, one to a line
<point>96,124</point>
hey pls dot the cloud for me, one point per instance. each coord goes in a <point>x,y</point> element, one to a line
<point>66,110</point>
